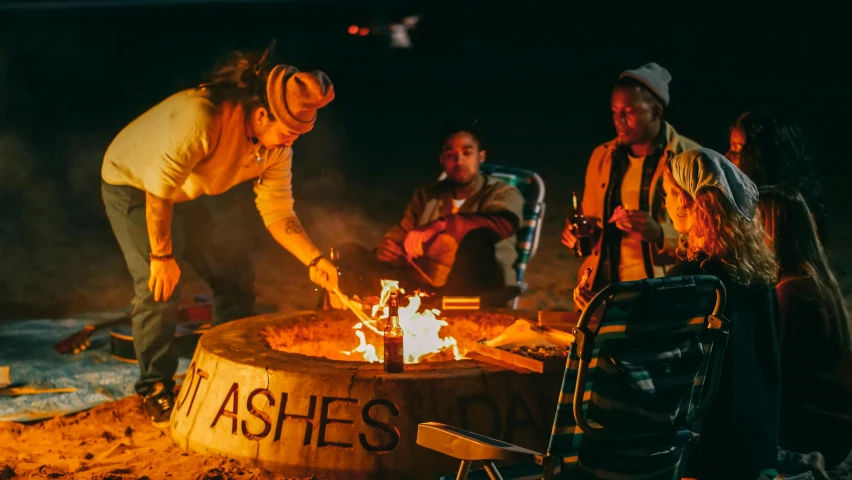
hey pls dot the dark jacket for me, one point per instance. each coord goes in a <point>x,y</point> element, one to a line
<point>739,435</point>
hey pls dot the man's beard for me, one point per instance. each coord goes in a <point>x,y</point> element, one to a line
<point>465,183</point>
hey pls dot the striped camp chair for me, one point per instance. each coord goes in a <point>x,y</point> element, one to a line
<point>639,377</point>
<point>532,188</point>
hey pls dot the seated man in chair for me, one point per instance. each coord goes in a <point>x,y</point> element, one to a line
<point>457,236</point>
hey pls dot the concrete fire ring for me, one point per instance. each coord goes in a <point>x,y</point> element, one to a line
<point>305,416</point>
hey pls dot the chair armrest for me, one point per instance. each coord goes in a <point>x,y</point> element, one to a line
<point>464,445</point>
<point>537,236</point>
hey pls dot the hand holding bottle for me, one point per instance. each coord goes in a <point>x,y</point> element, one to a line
<point>577,234</point>
<point>568,237</point>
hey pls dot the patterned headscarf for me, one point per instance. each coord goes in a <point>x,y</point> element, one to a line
<point>704,168</point>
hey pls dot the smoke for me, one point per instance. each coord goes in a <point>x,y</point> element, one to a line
<point>335,202</point>
<point>58,255</point>
<point>54,259</point>
<point>335,197</point>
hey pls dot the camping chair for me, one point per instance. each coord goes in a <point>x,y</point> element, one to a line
<point>633,392</point>
<point>532,188</point>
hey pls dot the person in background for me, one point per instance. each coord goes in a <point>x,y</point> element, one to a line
<point>775,152</point>
<point>622,198</point>
<point>816,348</point>
<point>713,205</point>
<point>736,141</point>
<point>237,128</point>
<point>457,235</point>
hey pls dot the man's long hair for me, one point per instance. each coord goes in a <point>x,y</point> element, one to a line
<point>720,233</point>
<point>241,77</point>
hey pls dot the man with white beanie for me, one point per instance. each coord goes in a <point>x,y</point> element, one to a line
<point>622,200</point>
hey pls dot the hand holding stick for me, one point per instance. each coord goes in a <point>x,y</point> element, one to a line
<point>357,311</point>
<point>420,271</point>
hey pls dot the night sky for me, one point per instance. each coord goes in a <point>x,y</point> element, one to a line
<point>537,75</point>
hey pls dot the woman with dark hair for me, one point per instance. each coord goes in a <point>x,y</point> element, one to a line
<point>713,205</point>
<point>775,152</point>
<point>238,127</point>
<point>816,350</point>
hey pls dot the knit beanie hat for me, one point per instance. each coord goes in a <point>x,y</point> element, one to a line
<point>654,77</point>
<point>294,97</point>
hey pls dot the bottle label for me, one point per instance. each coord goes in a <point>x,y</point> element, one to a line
<point>394,355</point>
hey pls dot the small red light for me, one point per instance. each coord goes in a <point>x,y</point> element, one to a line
<point>353,29</point>
<point>364,31</point>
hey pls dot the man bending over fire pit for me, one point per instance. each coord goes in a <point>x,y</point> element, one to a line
<point>205,140</point>
<point>457,236</point>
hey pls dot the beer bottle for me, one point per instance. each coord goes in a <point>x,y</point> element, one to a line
<point>582,229</point>
<point>394,352</point>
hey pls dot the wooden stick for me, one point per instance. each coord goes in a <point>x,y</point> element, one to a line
<point>420,271</point>
<point>15,391</point>
<point>357,311</point>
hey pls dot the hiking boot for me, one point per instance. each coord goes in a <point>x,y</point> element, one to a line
<point>159,405</point>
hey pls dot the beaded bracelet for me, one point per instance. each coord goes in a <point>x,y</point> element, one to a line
<point>161,258</point>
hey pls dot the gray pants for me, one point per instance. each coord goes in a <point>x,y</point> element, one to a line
<point>228,273</point>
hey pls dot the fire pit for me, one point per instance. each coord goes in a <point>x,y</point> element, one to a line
<point>298,395</point>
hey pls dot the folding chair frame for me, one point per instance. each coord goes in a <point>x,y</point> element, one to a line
<point>470,447</point>
<point>717,326</point>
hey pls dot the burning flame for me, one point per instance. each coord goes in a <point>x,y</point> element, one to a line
<point>421,330</point>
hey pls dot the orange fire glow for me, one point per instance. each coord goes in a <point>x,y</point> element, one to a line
<point>421,330</point>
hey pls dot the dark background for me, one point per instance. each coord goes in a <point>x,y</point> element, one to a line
<point>537,74</point>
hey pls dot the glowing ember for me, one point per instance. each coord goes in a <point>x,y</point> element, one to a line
<point>422,330</point>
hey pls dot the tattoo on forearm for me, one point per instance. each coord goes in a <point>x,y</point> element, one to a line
<point>158,215</point>
<point>293,227</point>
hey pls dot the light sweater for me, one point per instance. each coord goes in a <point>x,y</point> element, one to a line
<point>187,146</point>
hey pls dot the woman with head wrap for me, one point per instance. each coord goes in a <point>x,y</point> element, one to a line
<point>713,206</point>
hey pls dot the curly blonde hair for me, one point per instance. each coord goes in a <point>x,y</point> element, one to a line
<point>722,234</point>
